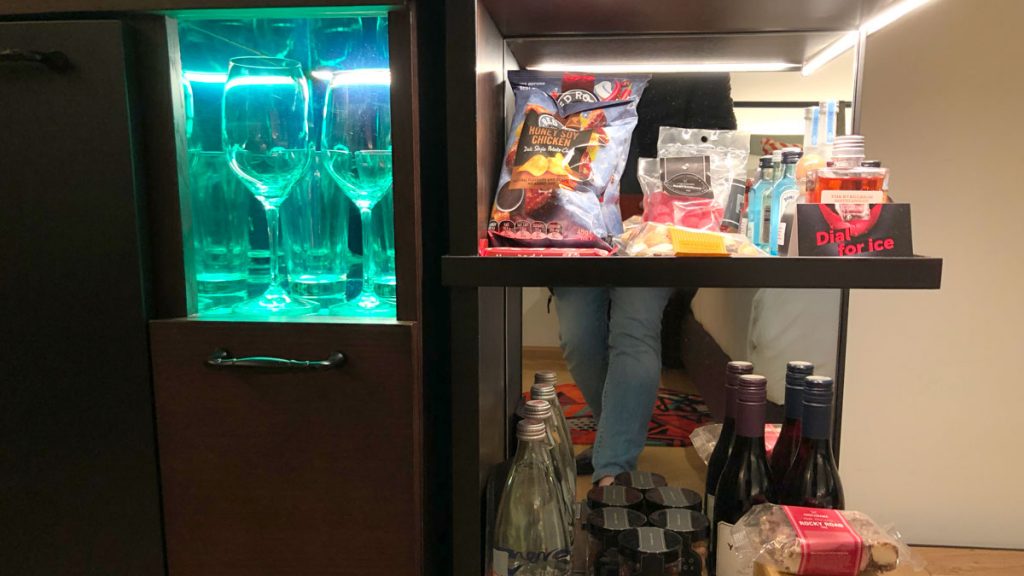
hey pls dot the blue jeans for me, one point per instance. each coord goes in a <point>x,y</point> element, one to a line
<point>611,340</point>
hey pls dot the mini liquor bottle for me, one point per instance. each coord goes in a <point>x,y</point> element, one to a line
<point>756,205</point>
<point>784,196</point>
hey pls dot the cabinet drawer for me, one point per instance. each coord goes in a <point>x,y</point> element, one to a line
<point>289,471</point>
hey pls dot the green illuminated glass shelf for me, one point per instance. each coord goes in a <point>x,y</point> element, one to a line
<point>287,125</point>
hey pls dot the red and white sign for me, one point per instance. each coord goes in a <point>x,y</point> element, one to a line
<point>828,545</point>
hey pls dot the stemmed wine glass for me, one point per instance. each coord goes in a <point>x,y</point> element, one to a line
<point>357,144</point>
<point>266,137</point>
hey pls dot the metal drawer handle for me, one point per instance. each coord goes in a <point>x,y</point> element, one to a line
<point>57,61</point>
<point>221,358</point>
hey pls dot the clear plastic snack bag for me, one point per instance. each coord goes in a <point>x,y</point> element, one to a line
<point>655,239</point>
<point>813,541</point>
<point>726,174</point>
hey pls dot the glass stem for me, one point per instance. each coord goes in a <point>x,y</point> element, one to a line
<point>366,215</point>
<point>273,232</point>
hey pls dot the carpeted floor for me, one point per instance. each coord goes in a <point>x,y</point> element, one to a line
<point>676,415</point>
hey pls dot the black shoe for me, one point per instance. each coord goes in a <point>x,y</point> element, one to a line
<point>585,462</point>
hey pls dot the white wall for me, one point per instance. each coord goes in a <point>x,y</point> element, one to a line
<point>934,399</point>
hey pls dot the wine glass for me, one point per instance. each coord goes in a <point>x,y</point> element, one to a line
<point>266,138</point>
<point>357,144</point>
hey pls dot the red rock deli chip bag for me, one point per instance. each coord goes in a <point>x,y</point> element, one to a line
<point>559,182</point>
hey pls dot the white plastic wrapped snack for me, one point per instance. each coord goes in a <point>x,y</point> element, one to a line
<point>653,239</point>
<point>705,438</point>
<point>812,541</point>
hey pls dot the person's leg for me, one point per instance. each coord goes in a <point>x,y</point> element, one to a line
<point>583,331</point>
<point>634,372</point>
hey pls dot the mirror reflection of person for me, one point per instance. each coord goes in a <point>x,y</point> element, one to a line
<point>611,336</point>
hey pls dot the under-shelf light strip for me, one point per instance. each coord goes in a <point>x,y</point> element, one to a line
<point>668,67</point>
<point>849,40</point>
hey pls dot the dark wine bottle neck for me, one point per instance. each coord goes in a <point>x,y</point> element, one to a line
<point>817,421</point>
<point>750,420</point>
<point>730,402</point>
<point>794,402</point>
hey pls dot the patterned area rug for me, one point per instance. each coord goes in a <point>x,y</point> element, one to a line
<point>675,416</point>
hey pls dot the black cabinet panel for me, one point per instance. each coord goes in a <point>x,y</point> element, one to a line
<point>78,472</point>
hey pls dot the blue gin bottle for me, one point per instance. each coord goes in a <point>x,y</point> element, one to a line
<point>756,205</point>
<point>784,194</point>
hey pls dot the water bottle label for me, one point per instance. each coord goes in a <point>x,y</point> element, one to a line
<point>510,562</point>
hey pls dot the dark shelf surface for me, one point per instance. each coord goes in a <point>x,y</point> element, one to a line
<point>916,273</point>
<point>546,18</point>
<point>40,7</point>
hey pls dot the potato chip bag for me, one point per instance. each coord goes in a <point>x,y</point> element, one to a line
<point>565,153</point>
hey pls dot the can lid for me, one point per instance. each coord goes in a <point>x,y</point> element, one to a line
<point>638,544</point>
<point>686,523</point>
<point>537,409</point>
<point>765,162</point>
<point>640,480</point>
<point>672,497</point>
<point>612,520</point>
<point>620,496</point>
<point>531,430</point>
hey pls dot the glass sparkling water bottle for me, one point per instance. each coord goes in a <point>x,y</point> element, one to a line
<point>543,388</point>
<point>541,411</point>
<point>529,536</point>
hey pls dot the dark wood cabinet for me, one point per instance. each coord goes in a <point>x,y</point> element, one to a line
<point>77,461</point>
<point>289,471</point>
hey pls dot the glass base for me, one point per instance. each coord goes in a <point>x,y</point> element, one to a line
<point>276,302</point>
<point>365,305</point>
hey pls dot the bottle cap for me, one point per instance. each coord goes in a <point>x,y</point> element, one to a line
<point>751,389</point>
<point>851,146</point>
<point>690,525</point>
<point>531,430</point>
<point>537,409</point>
<point>776,156</point>
<point>648,544</point>
<point>542,391</point>
<point>765,162</point>
<point>640,480</point>
<point>818,390</point>
<point>799,367</point>
<point>739,367</point>
<point>545,376</point>
<point>871,163</point>
<point>791,156</point>
<point>671,497</point>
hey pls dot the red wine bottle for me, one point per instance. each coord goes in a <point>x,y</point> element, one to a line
<point>813,479</point>
<point>716,463</point>
<point>789,438</point>
<point>746,480</point>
